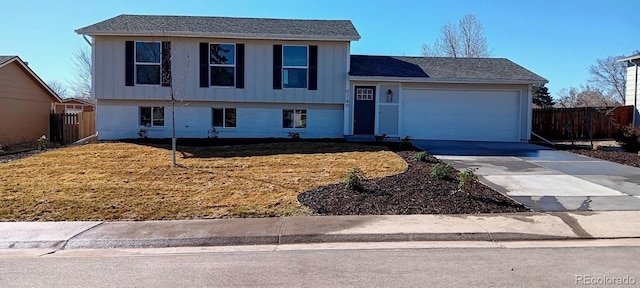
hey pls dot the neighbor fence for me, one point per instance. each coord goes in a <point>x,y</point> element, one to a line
<point>580,122</point>
<point>66,128</point>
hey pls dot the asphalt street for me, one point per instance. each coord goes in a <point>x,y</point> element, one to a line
<point>408,264</point>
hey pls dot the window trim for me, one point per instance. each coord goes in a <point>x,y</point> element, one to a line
<point>136,63</point>
<point>151,119</point>
<point>224,117</point>
<point>306,68</point>
<point>294,128</point>
<point>235,61</point>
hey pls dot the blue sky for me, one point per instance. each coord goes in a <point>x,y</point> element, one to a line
<point>558,39</point>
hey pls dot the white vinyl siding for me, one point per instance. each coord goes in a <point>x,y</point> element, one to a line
<point>118,119</point>
<point>109,66</point>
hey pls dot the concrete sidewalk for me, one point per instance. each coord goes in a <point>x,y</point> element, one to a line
<point>320,229</point>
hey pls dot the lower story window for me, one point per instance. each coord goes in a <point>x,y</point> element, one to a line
<point>152,116</point>
<point>224,117</point>
<point>294,118</point>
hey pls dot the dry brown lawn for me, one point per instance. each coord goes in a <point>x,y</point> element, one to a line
<point>122,181</point>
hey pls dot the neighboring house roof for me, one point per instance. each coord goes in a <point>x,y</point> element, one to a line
<point>78,101</point>
<point>224,27</point>
<point>6,60</point>
<point>441,69</point>
<point>630,58</point>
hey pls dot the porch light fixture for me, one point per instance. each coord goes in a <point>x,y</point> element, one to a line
<point>389,96</point>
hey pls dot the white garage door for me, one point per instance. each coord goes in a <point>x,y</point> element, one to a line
<point>461,115</point>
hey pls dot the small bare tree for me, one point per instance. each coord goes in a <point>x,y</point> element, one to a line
<point>585,96</point>
<point>467,39</point>
<point>81,82</point>
<point>610,76</point>
<point>59,88</point>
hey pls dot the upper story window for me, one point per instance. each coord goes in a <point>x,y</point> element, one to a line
<point>222,60</point>
<point>148,59</point>
<point>295,63</point>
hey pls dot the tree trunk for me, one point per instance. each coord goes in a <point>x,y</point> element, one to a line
<point>173,131</point>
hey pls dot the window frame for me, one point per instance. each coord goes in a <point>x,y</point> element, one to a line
<point>224,117</point>
<point>151,119</point>
<point>364,94</point>
<point>306,68</point>
<point>293,119</point>
<point>136,63</point>
<point>235,61</point>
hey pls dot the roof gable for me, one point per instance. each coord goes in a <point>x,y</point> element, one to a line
<point>442,69</point>
<point>6,60</point>
<point>224,27</point>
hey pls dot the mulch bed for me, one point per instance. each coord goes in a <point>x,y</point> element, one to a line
<point>412,192</point>
<point>622,157</point>
<point>8,157</point>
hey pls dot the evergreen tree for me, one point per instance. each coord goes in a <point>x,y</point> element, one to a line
<point>542,97</point>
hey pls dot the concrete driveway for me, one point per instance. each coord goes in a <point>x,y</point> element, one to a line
<point>542,178</point>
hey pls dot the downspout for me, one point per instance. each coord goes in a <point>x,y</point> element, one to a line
<point>635,97</point>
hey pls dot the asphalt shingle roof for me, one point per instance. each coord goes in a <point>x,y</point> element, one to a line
<point>223,27</point>
<point>4,59</point>
<point>442,68</point>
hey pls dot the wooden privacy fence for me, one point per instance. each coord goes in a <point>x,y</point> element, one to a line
<point>580,122</point>
<point>67,128</point>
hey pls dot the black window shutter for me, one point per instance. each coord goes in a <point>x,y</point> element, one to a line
<point>313,67</point>
<point>277,66</point>
<point>166,64</point>
<point>129,63</point>
<point>240,66</point>
<point>204,64</point>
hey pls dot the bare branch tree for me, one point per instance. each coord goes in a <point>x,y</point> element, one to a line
<point>472,35</point>
<point>81,82</point>
<point>585,96</point>
<point>610,76</point>
<point>59,88</point>
<point>464,40</point>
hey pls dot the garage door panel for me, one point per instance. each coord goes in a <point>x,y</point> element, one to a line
<point>461,115</point>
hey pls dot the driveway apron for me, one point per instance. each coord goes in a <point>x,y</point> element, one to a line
<point>542,178</point>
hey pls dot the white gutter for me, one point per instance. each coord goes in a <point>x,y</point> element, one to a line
<point>441,80</point>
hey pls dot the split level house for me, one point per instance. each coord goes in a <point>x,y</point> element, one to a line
<point>249,77</point>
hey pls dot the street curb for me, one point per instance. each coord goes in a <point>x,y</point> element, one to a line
<point>301,239</point>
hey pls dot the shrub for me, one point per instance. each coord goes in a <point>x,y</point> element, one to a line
<point>441,170</point>
<point>380,138</point>
<point>354,179</point>
<point>143,132</point>
<point>294,135</point>
<point>629,138</point>
<point>421,156</point>
<point>42,143</point>
<point>212,133</point>
<point>467,179</point>
<point>405,143</point>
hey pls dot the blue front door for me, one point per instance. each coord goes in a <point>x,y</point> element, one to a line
<point>364,110</point>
